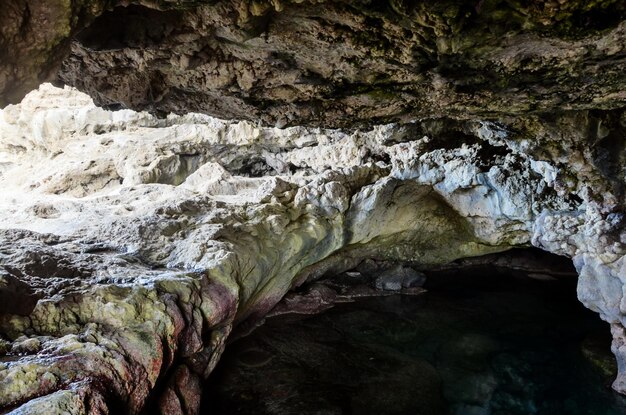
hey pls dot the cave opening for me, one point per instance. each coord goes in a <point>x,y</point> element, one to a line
<point>500,334</point>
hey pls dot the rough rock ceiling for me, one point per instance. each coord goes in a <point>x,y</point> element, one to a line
<point>331,63</point>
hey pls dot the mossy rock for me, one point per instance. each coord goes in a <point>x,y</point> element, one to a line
<point>594,348</point>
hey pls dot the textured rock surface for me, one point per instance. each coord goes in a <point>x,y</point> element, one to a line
<point>35,37</point>
<point>332,63</point>
<point>341,63</point>
<point>132,246</point>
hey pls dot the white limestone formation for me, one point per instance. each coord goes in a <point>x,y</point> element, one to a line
<point>130,246</point>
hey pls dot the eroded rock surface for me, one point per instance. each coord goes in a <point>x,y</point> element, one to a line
<point>332,63</point>
<point>131,246</point>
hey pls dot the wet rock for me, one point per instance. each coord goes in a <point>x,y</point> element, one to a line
<point>183,393</point>
<point>25,346</point>
<point>399,277</point>
<point>541,277</point>
<point>318,298</point>
<point>593,349</point>
<point>5,347</point>
<point>368,267</point>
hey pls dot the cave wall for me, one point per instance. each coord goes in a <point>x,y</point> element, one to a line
<point>134,244</point>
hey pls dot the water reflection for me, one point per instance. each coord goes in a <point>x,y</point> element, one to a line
<point>481,343</point>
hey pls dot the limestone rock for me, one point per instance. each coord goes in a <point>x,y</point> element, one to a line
<point>132,246</point>
<point>133,243</point>
<point>400,277</point>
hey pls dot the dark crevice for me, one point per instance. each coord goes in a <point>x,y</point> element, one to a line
<point>600,18</point>
<point>609,149</point>
<point>129,27</point>
<point>167,370</point>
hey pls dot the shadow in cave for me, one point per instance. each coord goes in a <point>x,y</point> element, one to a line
<point>131,26</point>
<point>484,339</point>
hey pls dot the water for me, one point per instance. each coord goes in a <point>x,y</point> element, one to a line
<point>486,343</point>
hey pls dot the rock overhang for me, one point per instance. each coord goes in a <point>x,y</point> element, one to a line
<point>166,240</point>
<point>329,63</point>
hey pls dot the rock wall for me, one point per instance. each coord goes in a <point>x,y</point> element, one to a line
<point>131,245</point>
<point>322,62</point>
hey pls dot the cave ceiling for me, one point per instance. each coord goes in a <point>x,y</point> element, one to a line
<point>322,63</point>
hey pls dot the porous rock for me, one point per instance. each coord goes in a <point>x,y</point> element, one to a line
<point>135,245</point>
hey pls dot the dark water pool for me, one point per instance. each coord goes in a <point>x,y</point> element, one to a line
<point>487,343</point>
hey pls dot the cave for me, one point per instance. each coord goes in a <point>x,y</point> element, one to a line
<point>183,181</point>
